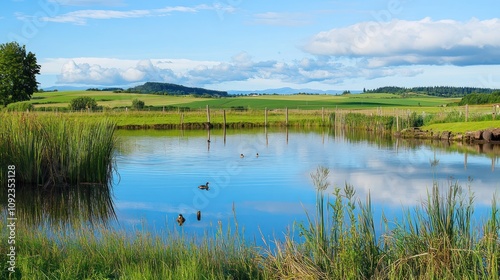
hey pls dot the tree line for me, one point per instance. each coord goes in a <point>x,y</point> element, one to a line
<point>441,91</point>
<point>480,98</point>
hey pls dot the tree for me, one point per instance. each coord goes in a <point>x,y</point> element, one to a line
<point>83,103</point>
<point>18,71</point>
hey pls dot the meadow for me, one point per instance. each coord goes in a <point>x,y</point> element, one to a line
<point>297,101</point>
<point>164,111</point>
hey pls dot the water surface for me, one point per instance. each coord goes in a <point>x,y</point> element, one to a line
<point>159,173</point>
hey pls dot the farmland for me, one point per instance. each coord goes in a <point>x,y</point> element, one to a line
<point>297,101</point>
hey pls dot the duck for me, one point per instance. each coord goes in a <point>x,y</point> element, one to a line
<point>242,155</point>
<point>257,155</point>
<point>180,219</point>
<point>203,187</point>
<point>198,215</point>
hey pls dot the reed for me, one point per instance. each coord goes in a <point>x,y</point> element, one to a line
<point>101,253</point>
<point>436,240</point>
<point>52,150</point>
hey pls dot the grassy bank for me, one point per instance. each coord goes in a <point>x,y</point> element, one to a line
<point>56,149</point>
<point>462,127</point>
<point>436,240</point>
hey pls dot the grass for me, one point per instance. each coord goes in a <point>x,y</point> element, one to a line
<point>305,102</point>
<point>53,150</point>
<point>436,240</point>
<point>462,127</point>
<point>304,110</point>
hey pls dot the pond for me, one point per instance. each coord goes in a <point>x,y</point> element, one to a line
<point>261,178</point>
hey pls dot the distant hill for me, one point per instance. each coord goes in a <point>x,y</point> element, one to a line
<point>173,89</point>
<point>287,90</point>
<point>63,88</point>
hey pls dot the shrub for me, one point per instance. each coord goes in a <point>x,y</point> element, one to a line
<point>20,107</point>
<point>137,104</point>
<point>83,103</point>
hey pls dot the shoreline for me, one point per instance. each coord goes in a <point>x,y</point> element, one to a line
<point>486,136</point>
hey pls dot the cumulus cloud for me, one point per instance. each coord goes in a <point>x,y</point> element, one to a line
<point>94,74</point>
<point>402,42</point>
<point>241,67</point>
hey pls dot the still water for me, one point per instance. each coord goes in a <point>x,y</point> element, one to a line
<point>270,187</point>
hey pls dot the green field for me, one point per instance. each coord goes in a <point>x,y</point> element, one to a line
<point>163,111</point>
<point>352,101</point>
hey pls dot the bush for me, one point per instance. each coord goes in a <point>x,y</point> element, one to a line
<point>20,107</point>
<point>137,104</point>
<point>416,120</point>
<point>83,103</point>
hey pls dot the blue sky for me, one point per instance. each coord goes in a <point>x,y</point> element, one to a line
<point>253,45</point>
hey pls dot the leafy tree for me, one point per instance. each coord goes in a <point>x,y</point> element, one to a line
<point>83,103</point>
<point>17,73</point>
<point>137,104</point>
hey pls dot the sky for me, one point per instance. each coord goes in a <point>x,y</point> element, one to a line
<point>256,45</point>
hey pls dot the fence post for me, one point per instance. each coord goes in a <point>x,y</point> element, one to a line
<point>286,116</point>
<point>208,114</point>
<point>265,117</point>
<point>323,115</point>
<point>224,118</point>
<point>466,112</point>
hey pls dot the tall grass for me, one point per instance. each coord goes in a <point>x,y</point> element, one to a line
<point>51,150</point>
<point>437,240</point>
<point>101,253</point>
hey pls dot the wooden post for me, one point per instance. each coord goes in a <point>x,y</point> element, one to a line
<point>286,116</point>
<point>265,117</point>
<point>466,112</point>
<point>323,115</point>
<point>224,118</point>
<point>208,114</point>
<point>397,122</point>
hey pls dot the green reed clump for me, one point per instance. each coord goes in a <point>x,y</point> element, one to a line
<point>50,150</point>
<point>368,122</point>
<point>437,240</point>
<point>339,242</point>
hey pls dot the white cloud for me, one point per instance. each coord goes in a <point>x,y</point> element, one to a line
<point>402,42</point>
<point>87,2</point>
<point>281,19</point>
<point>81,17</point>
<point>241,67</point>
<point>95,74</point>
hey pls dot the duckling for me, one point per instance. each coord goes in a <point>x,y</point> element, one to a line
<point>198,215</point>
<point>203,187</point>
<point>180,219</point>
<point>257,155</point>
<point>242,155</point>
